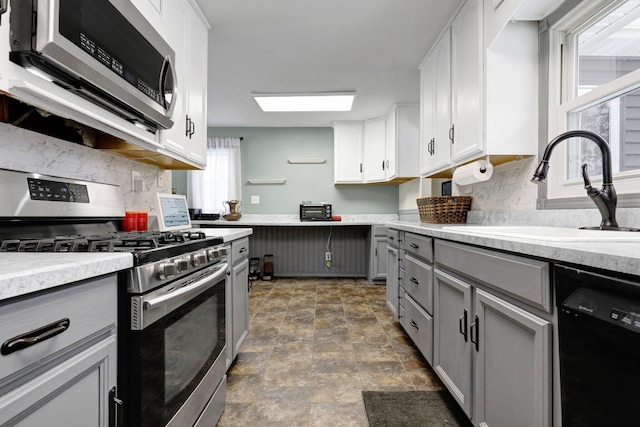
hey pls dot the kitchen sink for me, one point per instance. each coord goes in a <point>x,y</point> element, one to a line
<point>556,234</point>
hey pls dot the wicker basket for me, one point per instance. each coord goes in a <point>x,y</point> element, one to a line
<point>444,209</point>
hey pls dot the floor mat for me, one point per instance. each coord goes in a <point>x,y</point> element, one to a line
<point>434,408</point>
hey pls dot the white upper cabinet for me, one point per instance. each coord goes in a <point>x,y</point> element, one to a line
<point>378,150</point>
<point>402,142</point>
<point>478,101</point>
<point>467,81</point>
<point>435,104</point>
<point>152,10</point>
<point>347,149</point>
<point>374,150</point>
<point>187,35</point>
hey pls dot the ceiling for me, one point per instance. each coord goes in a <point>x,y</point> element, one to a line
<point>372,47</point>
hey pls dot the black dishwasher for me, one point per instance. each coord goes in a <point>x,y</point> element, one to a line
<point>599,344</point>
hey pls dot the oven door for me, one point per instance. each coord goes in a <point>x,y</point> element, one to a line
<point>177,360</point>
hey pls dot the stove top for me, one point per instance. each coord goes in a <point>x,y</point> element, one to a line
<point>146,246</point>
<point>103,242</point>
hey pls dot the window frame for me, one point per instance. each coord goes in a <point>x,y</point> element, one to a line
<point>561,192</point>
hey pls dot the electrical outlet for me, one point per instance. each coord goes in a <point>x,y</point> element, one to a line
<point>327,256</point>
<point>137,182</point>
<point>161,179</point>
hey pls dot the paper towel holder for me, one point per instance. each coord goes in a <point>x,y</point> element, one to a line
<point>465,175</point>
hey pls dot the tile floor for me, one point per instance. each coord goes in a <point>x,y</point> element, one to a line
<point>313,346</point>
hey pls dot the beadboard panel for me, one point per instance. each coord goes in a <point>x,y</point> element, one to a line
<point>300,251</point>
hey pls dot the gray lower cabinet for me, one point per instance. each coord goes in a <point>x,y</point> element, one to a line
<point>68,378</point>
<point>378,261</point>
<point>419,326</point>
<point>493,355</point>
<point>392,280</point>
<point>452,347</point>
<point>512,370</point>
<point>416,287</point>
<point>392,271</point>
<point>237,316</point>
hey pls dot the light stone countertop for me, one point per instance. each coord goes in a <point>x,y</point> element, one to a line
<point>227,234</point>
<point>288,220</point>
<point>26,272</point>
<point>621,257</point>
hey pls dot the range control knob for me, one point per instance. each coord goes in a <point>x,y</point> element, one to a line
<point>199,258</point>
<point>213,254</point>
<point>167,270</point>
<point>223,252</point>
<point>183,264</point>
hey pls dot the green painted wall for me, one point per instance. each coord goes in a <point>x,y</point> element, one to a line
<point>264,156</point>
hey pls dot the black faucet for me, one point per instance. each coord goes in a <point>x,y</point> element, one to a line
<point>605,198</point>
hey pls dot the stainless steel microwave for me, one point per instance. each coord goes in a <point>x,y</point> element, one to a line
<point>315,212</point>
<point>103,50</point>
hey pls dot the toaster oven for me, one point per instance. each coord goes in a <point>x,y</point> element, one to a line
<point>315,212</point>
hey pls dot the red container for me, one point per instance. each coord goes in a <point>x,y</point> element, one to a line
<point>142,219</point>
<point>130,222</point>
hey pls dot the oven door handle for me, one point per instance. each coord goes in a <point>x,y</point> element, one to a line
<point>218,274</point>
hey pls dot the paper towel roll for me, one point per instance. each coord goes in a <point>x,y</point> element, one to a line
<point>478,171</point>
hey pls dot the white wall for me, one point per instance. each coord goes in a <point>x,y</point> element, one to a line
<point>27,151</point>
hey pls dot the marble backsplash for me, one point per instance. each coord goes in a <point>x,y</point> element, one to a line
<point>509,189</point>
<point>28,151</point>
<point>626,217</point>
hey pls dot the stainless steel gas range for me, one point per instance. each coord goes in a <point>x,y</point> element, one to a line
<point>171,330</point>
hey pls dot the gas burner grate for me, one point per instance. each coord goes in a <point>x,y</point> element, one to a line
<point>115,241</point>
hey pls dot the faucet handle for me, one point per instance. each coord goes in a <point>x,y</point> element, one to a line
<point>591,192</point>
<point>585,177</point>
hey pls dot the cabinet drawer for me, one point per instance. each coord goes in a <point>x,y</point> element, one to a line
<point>392,237</point>
<point>420,246</point>
<point>90,306</point>
<point>418,282</point>
<point>379,230</point>
<point>522,278</point>
<point>419,326</point>
<point>239,249</point>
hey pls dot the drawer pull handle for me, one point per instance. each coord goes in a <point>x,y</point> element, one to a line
<point>462,325</point>
<point>244,249</point>
<point>414,281</point>
<point>115,409</point>
<point>414,324</point>
<point>414,246</point>
<point>34,337</point>
<point>475,326</point>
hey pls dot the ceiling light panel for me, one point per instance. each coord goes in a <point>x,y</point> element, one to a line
<point>305,102</point>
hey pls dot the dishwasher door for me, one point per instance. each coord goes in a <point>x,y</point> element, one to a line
<point>599,344</point>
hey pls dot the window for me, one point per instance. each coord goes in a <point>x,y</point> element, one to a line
<point>595,74</point>
<point>220,180</point>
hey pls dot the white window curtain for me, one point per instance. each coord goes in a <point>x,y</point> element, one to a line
<point>220,181</point>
